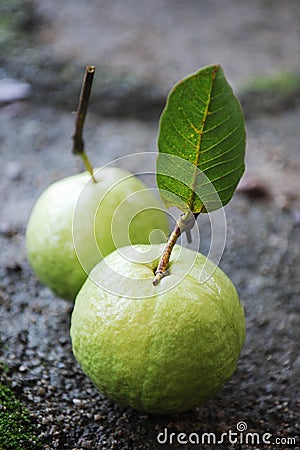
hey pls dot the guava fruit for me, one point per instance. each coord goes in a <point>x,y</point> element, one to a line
<point>76,222</point>
<point>160,349</point>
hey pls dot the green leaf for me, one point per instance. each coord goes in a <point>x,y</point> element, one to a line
<point>201,143</point>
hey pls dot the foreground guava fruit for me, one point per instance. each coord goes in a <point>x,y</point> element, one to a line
<point>76,222</point>
<point>160,349</point>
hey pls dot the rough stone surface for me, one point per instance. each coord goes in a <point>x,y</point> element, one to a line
<point>157,42</point>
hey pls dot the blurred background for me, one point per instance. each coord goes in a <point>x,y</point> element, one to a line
<point>141,48</point>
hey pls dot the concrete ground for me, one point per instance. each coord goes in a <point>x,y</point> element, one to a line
<point>140,49</point>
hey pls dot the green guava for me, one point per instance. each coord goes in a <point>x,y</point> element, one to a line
<point>76,222</point>
<point>160,349</point>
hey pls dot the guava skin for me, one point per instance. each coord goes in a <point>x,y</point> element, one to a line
<point>160,349</point>
<point>69,229</point>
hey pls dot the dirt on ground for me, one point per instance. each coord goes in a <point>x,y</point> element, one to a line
<point>139,52</point>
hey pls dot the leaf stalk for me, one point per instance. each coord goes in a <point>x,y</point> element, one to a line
<point>184,224</point>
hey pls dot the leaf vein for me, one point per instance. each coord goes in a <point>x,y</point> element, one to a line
<point>227,151</point>
<point>220,163</point>
<point>222,140</point>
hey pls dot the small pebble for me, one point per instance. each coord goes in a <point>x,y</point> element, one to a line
<point>98,417</point>
<point>13,90</point>
<point>41,392</point>
<point>13,170</point>
<point>7,230</point>
<point>13,266</point>
<point>87,444</point>
<point>252,188</point>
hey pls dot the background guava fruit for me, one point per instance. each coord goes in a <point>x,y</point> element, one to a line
<point>76,222</point>
<point>161,349</point>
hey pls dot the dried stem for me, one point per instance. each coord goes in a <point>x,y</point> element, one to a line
<point>184,224</point>
<point>78,143</point>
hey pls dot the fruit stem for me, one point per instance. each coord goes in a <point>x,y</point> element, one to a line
<point>78,142</point>
<point>184,224</point>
